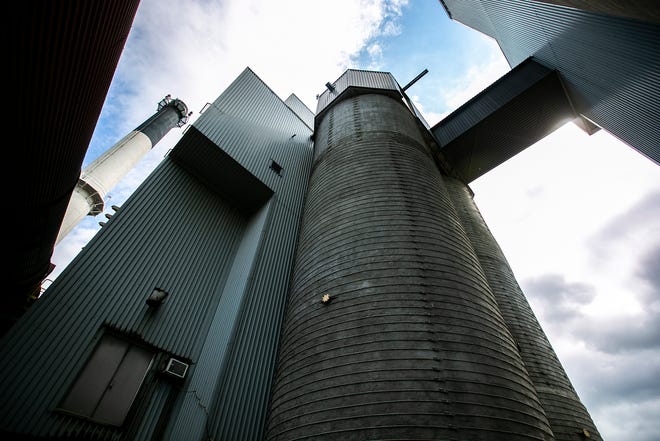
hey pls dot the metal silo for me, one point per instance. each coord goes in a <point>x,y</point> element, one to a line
<point>567,415</point>
<point>391,330</point>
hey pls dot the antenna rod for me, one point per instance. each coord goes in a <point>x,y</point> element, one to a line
<point>414,80</point>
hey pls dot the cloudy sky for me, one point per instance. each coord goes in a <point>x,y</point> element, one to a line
<point>578,217</point>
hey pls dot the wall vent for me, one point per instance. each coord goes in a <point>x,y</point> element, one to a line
<point>176,368</point>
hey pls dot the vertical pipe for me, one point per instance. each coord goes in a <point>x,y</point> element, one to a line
<point>391,331</point>
<point>567,415</point>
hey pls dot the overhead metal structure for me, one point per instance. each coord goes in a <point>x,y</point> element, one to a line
<point>607,54</point>
<point>63,58</point>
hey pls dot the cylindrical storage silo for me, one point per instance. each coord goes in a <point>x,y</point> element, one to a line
<point>391,330</point>
<point>566,414</point>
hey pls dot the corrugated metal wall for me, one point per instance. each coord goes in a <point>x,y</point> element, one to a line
<point>64,56</point>
<point>254,126</point>
<point>250,123</point>
<point>174,234</point>
<point>611,65</point>
<point>190,420</point>
<point>300,109</point>
<point>489,101</point>
<point>356,79</point>
<point>227,273</point>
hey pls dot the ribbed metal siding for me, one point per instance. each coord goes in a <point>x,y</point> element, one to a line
<point>254,126</point>
<point>240,99</point>
<point>489,101</point>
<point>567,415</point>
<point>300,109</point>
<point>67,54</point>
<point>191,420</point>
<point>240,407</point>
<point>497,136</point>
<point>64,56</point>
<point>357,78</point>
<point>172,233</point>
<point>412,344</point>
<point>254,147</point>
<point>471,13</point>
<point>611,65</point>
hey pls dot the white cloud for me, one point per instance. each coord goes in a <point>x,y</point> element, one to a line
<point>375,50</point>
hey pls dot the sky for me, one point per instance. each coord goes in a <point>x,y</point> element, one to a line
<point>577,216</point>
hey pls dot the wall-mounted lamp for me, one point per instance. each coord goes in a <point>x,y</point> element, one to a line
<point>156,297</point>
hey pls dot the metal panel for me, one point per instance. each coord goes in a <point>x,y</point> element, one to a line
<point>300,109</point>
<point>240,406</point>
<point>512,114</point>
<point>172,233</point>
<point>190,421</point>
<point>358,79</point>
<point>64,56</point>
<point>219,171</point>
<point>491,99</point>
<point>470,13</point>
<point>254,126</point>
<point>254,135</point>
<point>642,10</point>
<point>610,64</point>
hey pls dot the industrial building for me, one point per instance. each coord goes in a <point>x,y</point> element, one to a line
<point>287,274</point>
<point>606,53</point>
<point>336,260</point>
<point>63,57</point>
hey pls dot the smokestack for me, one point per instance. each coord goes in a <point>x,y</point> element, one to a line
<point>105,172</point>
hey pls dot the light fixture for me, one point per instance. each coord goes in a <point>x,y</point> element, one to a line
<point>156,297</point>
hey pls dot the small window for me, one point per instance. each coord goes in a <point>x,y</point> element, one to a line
<point>108,384</point>
<point>276,167</point>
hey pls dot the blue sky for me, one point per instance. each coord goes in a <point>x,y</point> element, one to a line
<point>576,216</point>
